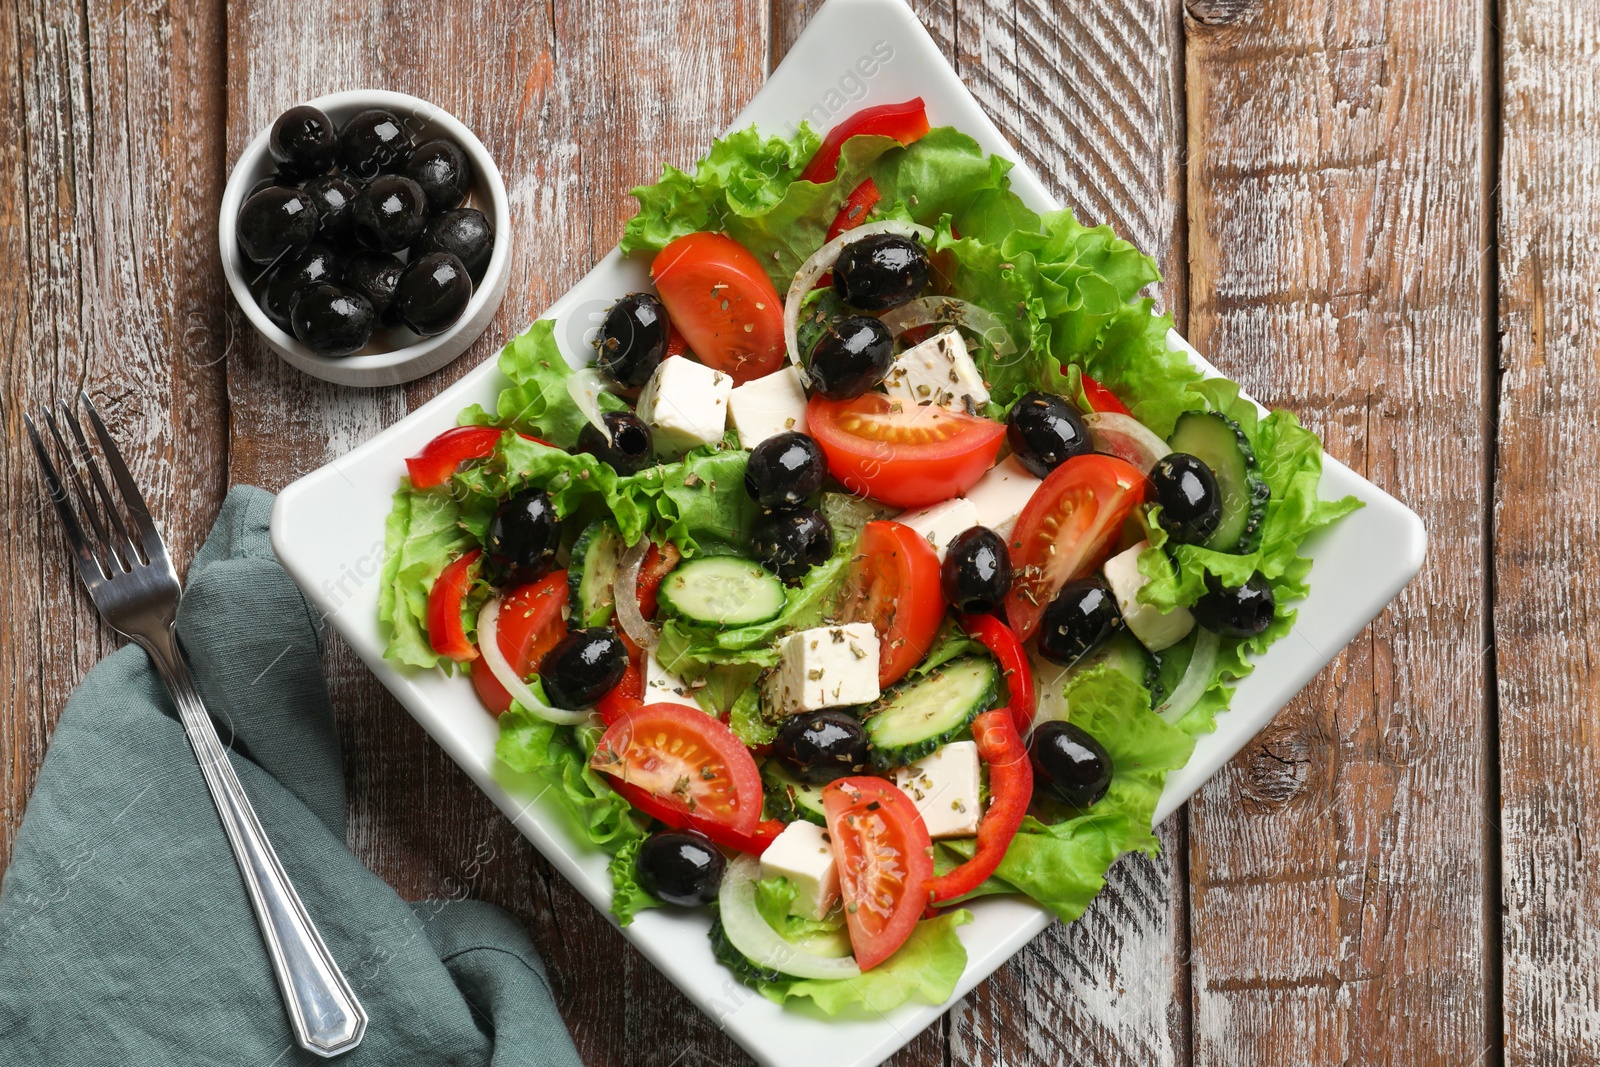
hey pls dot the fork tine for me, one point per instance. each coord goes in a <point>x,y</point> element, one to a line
<point>155,549</point>
<point>90,569</point>
<point>104,548</point>
<point>103,516</point>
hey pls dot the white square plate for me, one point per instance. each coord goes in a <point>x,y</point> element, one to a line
<point>328,530</point>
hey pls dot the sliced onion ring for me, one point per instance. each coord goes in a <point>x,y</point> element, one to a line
<point>1196,677</point>
<point>762,945</point>
<point>521,692</point>
<point>820,263</point>
<point>1125,437</point>
<point>626,592</point>
<point>585,385</point>
<point>951,311</point>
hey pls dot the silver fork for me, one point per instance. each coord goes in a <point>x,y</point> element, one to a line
<point>134,587</point>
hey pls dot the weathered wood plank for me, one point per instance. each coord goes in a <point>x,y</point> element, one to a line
<point>1336,212</point>
<point>1546,513</point>
<point>107,181</point>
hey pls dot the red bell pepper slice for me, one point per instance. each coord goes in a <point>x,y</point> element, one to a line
<point>658,563</point>
<point>754,842</point>
<point>626,695</point>
<point>1100,398</point>
<point>1010,791</point>
<point>997,637</point>
<point>445,632</point>
<point>439,458</point>
<point>904,122</point>
<point>856,207</point>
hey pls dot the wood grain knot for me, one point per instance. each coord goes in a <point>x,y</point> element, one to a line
<point>1220,12</point>
<point>1276,771</point>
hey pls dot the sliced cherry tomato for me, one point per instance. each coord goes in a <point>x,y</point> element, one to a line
<point>1010,790</point>
<point>440,457</point>
<point>658,563</point>
<point>908,456</point>
<point>894,584</point>
<point>530,625</point>
<point>885,861</point>
<point>720,297</point>
<point>1100,398</point>
<point>690,761</point>
<point>904,122</point>
<point>1070,525</point>
<point>754,841</point>
<point>445,632</point>
<point>856,207</point>
<point>1009,653</point>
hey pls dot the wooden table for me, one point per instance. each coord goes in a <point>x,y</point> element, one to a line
<point>1383,215</point>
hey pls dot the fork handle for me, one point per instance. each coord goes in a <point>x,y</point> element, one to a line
<point>323,1009</point>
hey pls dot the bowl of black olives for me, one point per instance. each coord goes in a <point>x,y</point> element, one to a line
<point>366,237</point>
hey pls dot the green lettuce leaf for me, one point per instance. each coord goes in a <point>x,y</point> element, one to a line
<point>559,756</point>
<point>698,503</point>
<point>537,401</point>
<point>421,535</point>
<point>580,487</point>
<point>927,967</point>
<point>628,897</point>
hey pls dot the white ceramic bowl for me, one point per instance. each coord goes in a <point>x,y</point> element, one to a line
<point>394,355</point>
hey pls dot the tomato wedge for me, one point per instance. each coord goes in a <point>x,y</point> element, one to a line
<point>894,584</point>
<point>687,760</point>
<point>445,632</point>
<point>885,861</point>
<point>904,122</point>
<point>1069,527</point>
<point>909,457</point>
<point>439,458</point>
<point>753,841</point>
<point>1100,398</point>
<point>720,298</point>
<point>530,625</point>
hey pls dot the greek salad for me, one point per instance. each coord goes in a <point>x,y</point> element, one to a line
<point>886,555</point>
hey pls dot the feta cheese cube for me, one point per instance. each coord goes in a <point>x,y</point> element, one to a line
<point>1155,629</point>
<point>939,523</point>
<point>945,789</point>
<point>938,371</point>
<point>803,855</point>
<point>826,667</point>
<point>1001,495</point>
<point>768,406</point>
<point>661,685</point>
<point>686,405</point>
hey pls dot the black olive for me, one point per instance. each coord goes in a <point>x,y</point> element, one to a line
<point>881,271</point>
<point>583,666</point>
<point>629,449</point>
<point>332,321</point>
<point>275,222</point>
<point>679,867</point>
<point>465,234</point>
<point>819,746</point>
<point>1044,431</point>
<point>1080,618</point>
<point>374,142</point>
<point>432,293</point>
<point>1237,611</point>
<point>520,544</point>
<point>303,142</point>
<point>273,180</point>
<point>374,275</point>
<point>334,195</point>
<point>785,470</point>
<point>441,168</point>
<point>976,573</point>
<point>851,356</point>
<point>389,213</point>
<point>1069,763</point>
<point>791,542</point>
<point>633,339</point>
<point>1191,505</point>
<point>316,265</point>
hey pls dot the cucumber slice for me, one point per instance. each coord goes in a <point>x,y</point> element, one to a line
<point>1219,442</point>
<point>788,798</point>
<point>916,717</point>
<point>722,591</point>
<point>1124,654</point>
<point>592,572</point>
